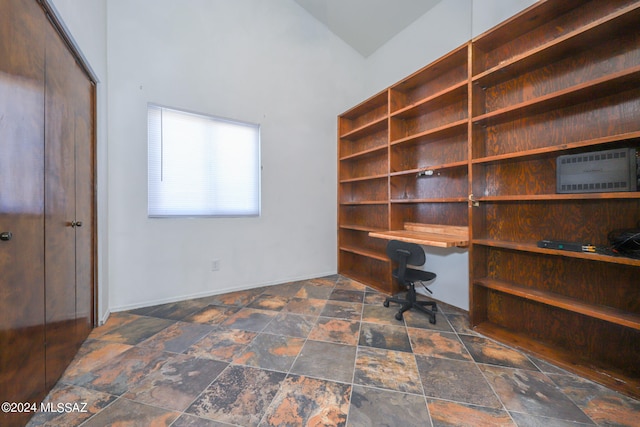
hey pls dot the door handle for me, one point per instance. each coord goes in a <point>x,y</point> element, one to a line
<point>75,224</point>
<point>5,236</point>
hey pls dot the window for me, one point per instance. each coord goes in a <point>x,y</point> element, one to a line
<point>201,165</point>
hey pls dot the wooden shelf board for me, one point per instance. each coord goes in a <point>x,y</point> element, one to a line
<point>441,95</point>
<point>556,148</point>
<point>457,57</point>
<point>459,126</point>
<point>451,165</point>
<point>531,247</point>
<point>557,48</point>
<point>608,314</point>
<point>364,153</point>
<point>625,79</point>
<point>360,228</point>
<point>366,129</point>
<point>364,202</point>
<point>377,100</point>
<point>365,252</point>
<point>443,236</point>
<point>449,96</point>
<point>363,178</point>
<point>432,200</point>
<point>570,361</point>
<point>551,197</point>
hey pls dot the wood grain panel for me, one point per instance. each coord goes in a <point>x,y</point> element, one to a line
<point>587,221</point>
<point>60,202</point>
<point>592,339</point>
<point>612,53</point>
<point>576,278</point>
<point>609,115</point>
<point>450,182</point>
<point>22,357</point>
<point>429,151</point>
<point>552,22</point>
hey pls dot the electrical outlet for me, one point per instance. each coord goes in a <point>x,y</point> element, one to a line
<point>215,265</point>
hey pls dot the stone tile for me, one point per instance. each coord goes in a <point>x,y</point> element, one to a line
<point>87,402</point>
<point>212,314</point>
<point>237,299</point>
<point>293,325</point>
<point>316,288</point>
<point>187,420</point>
<point>375,407</point>
<point>306,306</point>
<point>445,414</point>
<point>484,350</point>
<point>177,337</point>
<point>123,371</point>
<point>384,336</point>
<point>92,355</point>
<point>393,370</point>
<point>373,297</point>
<point>286,289</point>
<point>114,321</point>
<point>177,383</point>
<point>239,396</point>
<point>336,330</point>
<point>222,344</point>
<point>174,310</point>
<point>460,323</point>
<point>347,295</point>
<point>380,314</point>
<point>326,360</point>
<point>250,319</point>
<point>418,319</point>
<point>304,401</point>
<point>268,351</point>
<point>455,380</point>
<point>124,412</point>
<point>342,310</point>
<point>350,285</point>
<point>533,393</point>
<point>604,406</point>
<point>138,331</point>
<point>437,344</point>
<point>526,420</point>
<point>269,302</point>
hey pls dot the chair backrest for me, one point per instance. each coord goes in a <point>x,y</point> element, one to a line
<point>410,253</point>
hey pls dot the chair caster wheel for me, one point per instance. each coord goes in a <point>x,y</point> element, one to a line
<point>398,316</point>
<point>435,308</point>
<point>386,303</point>
<point>432,319</point>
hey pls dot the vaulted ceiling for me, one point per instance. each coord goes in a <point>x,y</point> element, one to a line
<point>367,24</point>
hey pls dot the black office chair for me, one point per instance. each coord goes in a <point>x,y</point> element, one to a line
<point>409,253</point>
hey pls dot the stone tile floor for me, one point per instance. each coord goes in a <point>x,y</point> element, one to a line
<point>319,352</point>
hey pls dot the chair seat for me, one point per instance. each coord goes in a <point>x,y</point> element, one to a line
<point>413,275</point>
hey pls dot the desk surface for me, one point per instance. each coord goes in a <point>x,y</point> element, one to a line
<point>443,236</point>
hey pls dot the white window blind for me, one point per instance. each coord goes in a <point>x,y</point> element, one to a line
<point>201,165</point>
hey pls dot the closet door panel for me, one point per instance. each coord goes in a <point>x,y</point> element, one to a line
<point>85,196</point>
<point>60,276</point>
<point>21,205</point>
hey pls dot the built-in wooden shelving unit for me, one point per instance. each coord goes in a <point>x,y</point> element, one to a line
<point>472,140</point>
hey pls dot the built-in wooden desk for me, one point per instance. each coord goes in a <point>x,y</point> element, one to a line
<point>443,236</point>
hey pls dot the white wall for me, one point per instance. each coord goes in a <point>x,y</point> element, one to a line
<point>447,26</point>
<point>265,62</point>
<point>86,21</point>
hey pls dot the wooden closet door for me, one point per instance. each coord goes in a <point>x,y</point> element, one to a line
<point>21,205</point>
<point>84,100</point>
<point>68,285</point>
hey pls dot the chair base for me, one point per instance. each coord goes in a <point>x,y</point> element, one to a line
<point>411,302</point>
